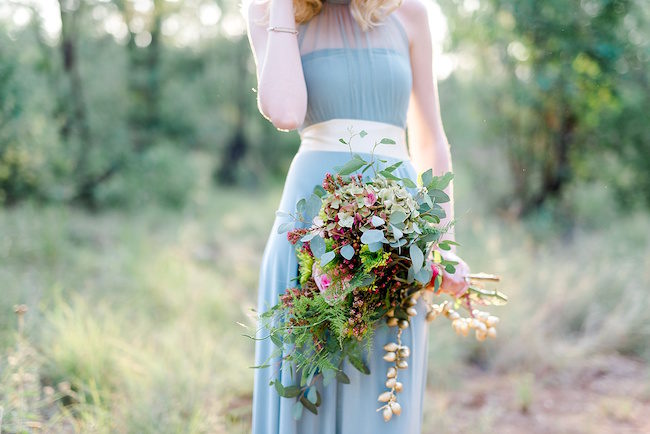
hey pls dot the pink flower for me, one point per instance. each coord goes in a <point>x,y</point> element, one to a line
<point>435,270</point>
<point>323,281</point>
<point>370,199</point>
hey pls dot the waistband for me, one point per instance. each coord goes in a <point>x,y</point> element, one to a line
<point>324,136</point>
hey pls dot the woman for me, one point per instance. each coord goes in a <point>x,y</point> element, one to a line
<point>328,68</point>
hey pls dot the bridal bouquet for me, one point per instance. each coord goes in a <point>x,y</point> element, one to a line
<point>368,246</point>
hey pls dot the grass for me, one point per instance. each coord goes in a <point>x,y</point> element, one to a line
<point>132,320</point>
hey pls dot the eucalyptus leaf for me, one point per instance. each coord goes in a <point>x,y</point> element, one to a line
<point>358,363</point>
<point>424,275</point>
<point>397,232</point>
<point>297,410</point>
<point>397,217</point>
<point>291,391</point>
<point>326,258</point>
<point>392,167</point>
<point>374,247</point>
<point>317,246</point>
<point>351,166</point>
<point>387,141</point>
<point>377,221</point>
<point>312,207</point>
<point>439,195</point>
<point>372,236</point>
<point>363,133</point>
<point>285,227</point>
<point>417,257</point>
<point>309,405</point>
<point>347,252</point>
<point>311,395</point>
<point>409,183</point>
<point>319,191</point>
<point>427,177</point>
<point>342,377</point>
<point>328,376</point>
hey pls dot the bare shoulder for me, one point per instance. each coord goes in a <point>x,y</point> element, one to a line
<point>414,16</point>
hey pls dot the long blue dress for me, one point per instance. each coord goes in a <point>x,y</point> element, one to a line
<point>352,75</point>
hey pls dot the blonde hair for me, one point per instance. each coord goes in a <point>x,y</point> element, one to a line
<point>367,13</point>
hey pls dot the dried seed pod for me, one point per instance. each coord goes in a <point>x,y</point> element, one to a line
<point>398,386</point>
<point>411,311</point>
<point>385,397</point>
<point>431,315</point>
<point>453,315</point>
<point>390,313</point>
<point>390,383</point>
<point>492,332</point>
<point>416,295</point>
<point>481,335</point>
<point>388,413</point>
<point>392,372</point>
<point>395,407</point>
<point>404,352</point>
<point>392,321</point>
<point>403,323</point>
<point>411,301</point>
<point>402,364</point>
<point>390,356</point>
<point>392,346</point>
<point>491,321</point>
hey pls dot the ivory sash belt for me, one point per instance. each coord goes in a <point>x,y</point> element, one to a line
<point>324,136</point>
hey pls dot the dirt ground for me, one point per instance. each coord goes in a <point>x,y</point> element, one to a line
<point>608,394</point>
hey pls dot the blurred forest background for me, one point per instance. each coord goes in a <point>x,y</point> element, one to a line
<point>138,184</point>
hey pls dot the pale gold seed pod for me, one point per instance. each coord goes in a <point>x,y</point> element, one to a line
<point>431,315</point>
<point>483,316</point>
<point>402,364</point>
<point>398,386</point>
<point>492,321</point>
<point>390,356</point>
<point>385,397</point>
<point>475,312</point>
<point>492,332</point>
<point>481,327</point>
<point>390,383</point>
<point>464,328</point>
<point>416,295</point>
<point>411,311</point>
<point>403,323</point>
<point>404,352</point>
<point>392,321</point>
<point>453,315</point>
<point>481,335</point>
<point>436,307</point>
<point>397,409</point>
<point>474,323</point>
<point>392,346</point>
<point>392,372</point>
<point>388,413</point>
<point>390,313</point>
<point>411,301</point>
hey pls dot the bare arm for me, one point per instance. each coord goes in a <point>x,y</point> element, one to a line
<point>428,143</point>
<point>281,89</point>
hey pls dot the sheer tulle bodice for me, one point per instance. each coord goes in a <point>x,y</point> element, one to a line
<point>351,73</point>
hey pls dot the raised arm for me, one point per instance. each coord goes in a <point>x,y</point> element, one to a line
<point>428,143</point>
<point>281,89</point>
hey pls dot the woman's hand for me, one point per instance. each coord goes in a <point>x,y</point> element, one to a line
<point>454,284</point>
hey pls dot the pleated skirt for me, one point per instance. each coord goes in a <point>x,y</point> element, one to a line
<point>346,408</point>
